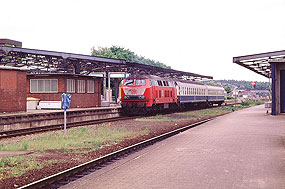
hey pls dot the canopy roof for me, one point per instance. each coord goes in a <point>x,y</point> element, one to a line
<point>42,61</point>
<point>260,63</point>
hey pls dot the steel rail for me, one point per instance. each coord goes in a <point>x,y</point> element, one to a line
<point>21,132</point>
<point>56,178</point>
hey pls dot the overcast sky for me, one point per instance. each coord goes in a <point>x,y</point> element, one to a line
<point>199,36</point>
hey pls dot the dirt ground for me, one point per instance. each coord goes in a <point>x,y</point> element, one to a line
<point>68,160</point>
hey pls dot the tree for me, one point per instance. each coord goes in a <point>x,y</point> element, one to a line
<point>125,54</point>
<point>228,89</point>
<point>114,52</point>
<point>244,85</point>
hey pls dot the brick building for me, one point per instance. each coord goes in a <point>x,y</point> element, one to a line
<point>13,82</point>
<point>85,90</point>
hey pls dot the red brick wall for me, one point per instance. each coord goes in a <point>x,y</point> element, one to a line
<point>78,100</point>
<point>13,90</point>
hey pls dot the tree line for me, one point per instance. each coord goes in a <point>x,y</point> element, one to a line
<point>125,54</point>
<point>244,85</point>
<point>129,56</point>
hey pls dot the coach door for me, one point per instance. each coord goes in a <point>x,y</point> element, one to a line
<point>282,91</point>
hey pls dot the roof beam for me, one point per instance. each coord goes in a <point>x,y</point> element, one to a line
<point>62,55</point>
<point>258,56</point>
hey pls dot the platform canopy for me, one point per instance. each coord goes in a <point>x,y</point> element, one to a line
<point>260,63</point>
<point>42,61</point>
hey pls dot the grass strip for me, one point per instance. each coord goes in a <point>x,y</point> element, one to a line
<point>19,165</point>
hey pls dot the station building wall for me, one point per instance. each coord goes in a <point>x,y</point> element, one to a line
<point>50,88</point>
<point>276,91</point>
<point>13,94</point>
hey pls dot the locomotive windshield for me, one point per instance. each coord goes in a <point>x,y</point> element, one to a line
<point>140,82</point>
<point>129,82</point>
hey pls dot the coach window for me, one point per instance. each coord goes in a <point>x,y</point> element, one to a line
<point>140,82</point>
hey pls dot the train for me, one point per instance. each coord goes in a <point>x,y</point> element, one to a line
<point>142,93</point>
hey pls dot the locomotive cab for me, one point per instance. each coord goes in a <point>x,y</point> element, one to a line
<point>136,94</point>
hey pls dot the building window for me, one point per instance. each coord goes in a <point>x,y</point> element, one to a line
<point>80,86</point>
<point>90,86</point>
<point>70,88</point>
<point>43,85</point>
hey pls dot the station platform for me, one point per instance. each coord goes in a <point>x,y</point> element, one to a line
<point>55,110</point>
<point>243,149</point>
<point>43,118</point>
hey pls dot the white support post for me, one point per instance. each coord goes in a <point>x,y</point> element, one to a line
<point>64,121</point>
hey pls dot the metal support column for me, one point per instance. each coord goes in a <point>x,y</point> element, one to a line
<point>109,88</point>
<point>104,87</point>
<point>116,85</point>
<point>273,75</point>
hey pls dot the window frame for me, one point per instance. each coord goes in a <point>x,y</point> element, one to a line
<point>44,87</point>
<point>81,86</point>
<point>73,85</point>
<point>89,88</point>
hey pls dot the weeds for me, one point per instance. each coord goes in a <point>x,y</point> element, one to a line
<point>75,138</point>
<point>18,165</point>
<point>251,103</point>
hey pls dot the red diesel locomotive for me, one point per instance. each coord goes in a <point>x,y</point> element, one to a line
<point>142,93</point>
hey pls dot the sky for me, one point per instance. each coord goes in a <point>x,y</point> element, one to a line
<point>194,36</point>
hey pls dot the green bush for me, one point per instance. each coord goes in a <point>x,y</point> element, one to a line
<point>230,97</point>
<point>247,103</point>
<point>259,102</point>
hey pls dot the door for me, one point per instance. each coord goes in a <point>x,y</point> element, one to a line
<point>282,91</point>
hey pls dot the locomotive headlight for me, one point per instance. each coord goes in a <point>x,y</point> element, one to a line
<point>126,97</point>
<point>141,97</point>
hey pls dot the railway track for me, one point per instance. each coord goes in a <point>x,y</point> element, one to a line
<point>21,132</point>
<point>64,177</point>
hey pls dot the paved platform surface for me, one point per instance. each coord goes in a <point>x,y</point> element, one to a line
<point>244,149</point>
